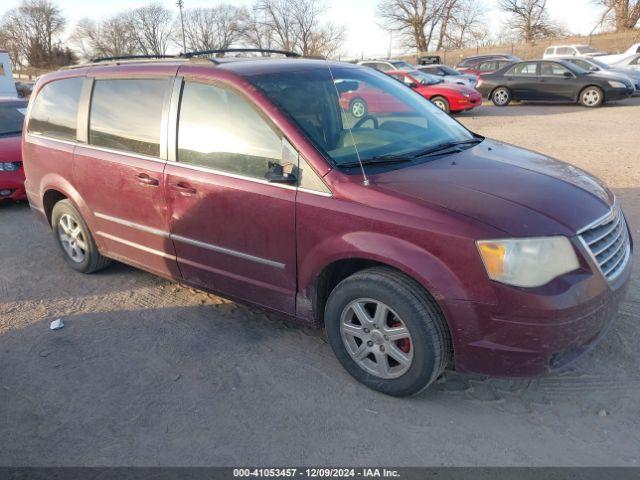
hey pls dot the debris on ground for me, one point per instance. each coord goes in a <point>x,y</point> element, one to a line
<point>56,324</point>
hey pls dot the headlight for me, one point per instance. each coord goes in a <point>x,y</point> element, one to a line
<point>527,262</point>
<point>616,84</point>
<point>9,166</point>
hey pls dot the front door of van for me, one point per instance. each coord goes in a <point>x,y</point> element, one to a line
<point>233,230</point>
<point>119,171</point>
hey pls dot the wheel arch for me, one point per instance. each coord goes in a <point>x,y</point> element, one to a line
<point>371,249</point>
<point>54,188</point>
<point>490,96</point>
<point>599,87</point>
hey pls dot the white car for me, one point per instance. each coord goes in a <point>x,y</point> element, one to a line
<point>557,51</point>
<point>387,65</point>
<point>611,59</point>
<point>632,62</point>
<point>595,65</point>
<point>450,75</point>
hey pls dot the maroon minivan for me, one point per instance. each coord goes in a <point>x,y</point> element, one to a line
<point>415,243</point>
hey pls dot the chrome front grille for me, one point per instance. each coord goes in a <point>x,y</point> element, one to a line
<point>608,242</point>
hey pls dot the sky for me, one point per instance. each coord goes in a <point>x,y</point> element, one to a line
<point>364,36</point>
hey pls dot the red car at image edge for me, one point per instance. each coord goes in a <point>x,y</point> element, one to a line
<point>11,171</point>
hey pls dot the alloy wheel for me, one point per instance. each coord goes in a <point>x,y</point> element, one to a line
<point>501,96</point>
<point>72,238</point>
<point>358,109</point>
<point>376,338</point>
<point>591,97</point>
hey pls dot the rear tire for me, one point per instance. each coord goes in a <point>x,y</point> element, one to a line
<point>501,97</point>
<point>591,97</point>
<point>75,240</point>
<point>442,103</point>
<point>387,332</point>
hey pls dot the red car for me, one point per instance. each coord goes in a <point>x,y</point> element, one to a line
<point>447,97</point>
<point>12,113</point>
<point>414,242</point>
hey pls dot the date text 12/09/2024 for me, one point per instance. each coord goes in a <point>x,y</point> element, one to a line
<point>315,472</point>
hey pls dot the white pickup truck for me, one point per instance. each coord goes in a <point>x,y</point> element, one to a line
<point>7,83</point>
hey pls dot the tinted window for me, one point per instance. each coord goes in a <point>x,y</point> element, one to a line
<point>581,64</point>
<point>126,115</point>
<point>523,69</point>
<point>219,129</point>
<point>488,66</point>
<point>383,67</point>
<point>12,117</point>
<point>552,69</point>
<point>55,110</point>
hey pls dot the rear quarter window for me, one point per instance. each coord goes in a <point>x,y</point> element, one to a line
<point>55,109</point>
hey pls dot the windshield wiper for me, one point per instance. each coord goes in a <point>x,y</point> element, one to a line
<point>442,148</point>
<point>378,160</point>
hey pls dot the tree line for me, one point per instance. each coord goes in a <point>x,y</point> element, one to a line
<point>33,32</point>
<point>451,24</point>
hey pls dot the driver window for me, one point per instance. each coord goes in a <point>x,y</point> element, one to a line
<point>553,69</point>
<point>220,129</point>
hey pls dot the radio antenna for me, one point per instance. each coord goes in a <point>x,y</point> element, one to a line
<point>365,179</point>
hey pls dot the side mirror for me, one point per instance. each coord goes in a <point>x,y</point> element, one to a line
<point>594,69</point>
<point>276,174</point>
<point>411,85</point>
<point>568,75</point>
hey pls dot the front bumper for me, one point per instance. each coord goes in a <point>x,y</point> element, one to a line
<point>13,183</point>
<point>465,104</point>
<point>618,93</point>
<point>533,333</point>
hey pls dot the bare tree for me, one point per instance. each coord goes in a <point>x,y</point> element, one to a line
<point>32,30</point>
<point>212,28</point>
<point>529,18</point>
<point>415,20</point>
<point>112,37</point>
<point>152,26</point>
<point>623,14</point>
<point>295,25</point>
<point>467,25</point>
<point>256,33</point>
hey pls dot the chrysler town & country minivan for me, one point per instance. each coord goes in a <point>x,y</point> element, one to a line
<point>414,242</point>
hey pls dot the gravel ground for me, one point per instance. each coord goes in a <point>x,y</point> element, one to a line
<point>148,372</point>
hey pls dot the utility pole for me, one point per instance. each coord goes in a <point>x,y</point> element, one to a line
<point>180,5</point>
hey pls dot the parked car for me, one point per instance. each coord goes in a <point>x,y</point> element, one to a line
<point>632,62</point>
<point>450,75</point>
<point>7,83</point>
<point>553,81</point>
<point>557,51</point>
<point>619,57</point>
<point>414,242</point>
<point>475,59</point>
<point>386,65</point>
<point>446,96</point>
<point>595,65</point>
<point>429,60</point>
<point>484,67</point>
<point>12,113</point>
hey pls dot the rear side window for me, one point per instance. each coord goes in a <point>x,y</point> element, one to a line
<point>565,51</point>
<point>126,115</point>
<point>55,109</point>
<point>219,129</point>
<point>526,69</point>
<point>549,51</point>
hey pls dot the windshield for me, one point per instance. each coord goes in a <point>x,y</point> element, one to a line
<point>400,65</point>
<point>352,112</point>
<point>12,117</point>
<point>449,71</point>
<point>425,78</point>
<point>586,49</point>
<point>600,64</point>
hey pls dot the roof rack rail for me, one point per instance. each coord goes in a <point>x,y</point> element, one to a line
<point>130,57</point>
<point>240,50</point>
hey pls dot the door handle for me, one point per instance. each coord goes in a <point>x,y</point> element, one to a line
<point>183,188</point>
<point>147,180</point>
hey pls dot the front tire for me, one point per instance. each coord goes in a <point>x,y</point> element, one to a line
<point>75,240</point>
<point>442,103</point>
<point>387,332</point>
<point>501,97</point>
<point>591,97</point>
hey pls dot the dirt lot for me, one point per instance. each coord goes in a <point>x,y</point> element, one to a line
<point>147,372</point>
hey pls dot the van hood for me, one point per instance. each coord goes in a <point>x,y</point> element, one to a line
<point>520,192</point>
